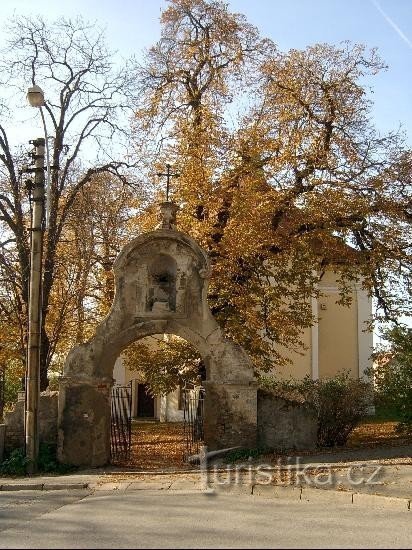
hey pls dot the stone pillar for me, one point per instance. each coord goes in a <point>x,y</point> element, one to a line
<point>365,336</point>
<point>162,408</point>
<point>230,415</point>
<point>84,422</point>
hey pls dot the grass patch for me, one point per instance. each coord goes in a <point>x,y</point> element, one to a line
<point>244,454</point>
<point>388,414</point>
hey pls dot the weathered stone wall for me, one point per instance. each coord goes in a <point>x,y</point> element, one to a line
<point>14,422</point>
<point>230,415</point>
<point>48,417</point>
<point>2,439</point>
<point>284,424</point>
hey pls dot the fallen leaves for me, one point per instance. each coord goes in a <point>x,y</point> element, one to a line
<point>156,445</point>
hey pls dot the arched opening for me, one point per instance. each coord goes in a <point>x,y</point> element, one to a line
<point>164,376</point>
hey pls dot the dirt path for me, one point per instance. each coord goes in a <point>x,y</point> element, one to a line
<point>156,446</point>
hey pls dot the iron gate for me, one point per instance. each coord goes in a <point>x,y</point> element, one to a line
<point>121,422</point>
<point>193,409</point>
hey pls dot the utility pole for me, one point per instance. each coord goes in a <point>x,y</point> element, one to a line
<point>35,318</point>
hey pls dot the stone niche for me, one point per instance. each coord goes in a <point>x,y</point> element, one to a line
<point>161,282</point>
<point>161,295</point>
<point>167,284</point>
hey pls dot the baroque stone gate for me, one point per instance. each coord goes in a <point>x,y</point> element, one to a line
<point>161,282</point>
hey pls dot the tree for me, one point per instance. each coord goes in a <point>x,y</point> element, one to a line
<point>11,371</point>
<point>97,227</point>
<point>297,182</point>
<point>85,97</point>
<point>163,363</point>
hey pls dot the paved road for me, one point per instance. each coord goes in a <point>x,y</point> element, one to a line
<point>191,519</point>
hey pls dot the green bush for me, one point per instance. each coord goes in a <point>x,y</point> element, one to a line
<point>392,374</point>
<point>340,403</point>
<point>16,464</point>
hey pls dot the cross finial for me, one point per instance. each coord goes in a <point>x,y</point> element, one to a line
<point>168,174</point>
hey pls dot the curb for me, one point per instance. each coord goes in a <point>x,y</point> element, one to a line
<point>42,486</point>
<point>253,468</point>
<point>267,491</point>
<point>328,496</point>
<point>308,494</point>
<point>297,493</point>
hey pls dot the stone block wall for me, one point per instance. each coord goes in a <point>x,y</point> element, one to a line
<point>14,422</point>
<point>2,439</point>
<point>284,425</point>
<point>230,415</point>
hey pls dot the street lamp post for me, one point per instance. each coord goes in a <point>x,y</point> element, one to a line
<point>36,99</point>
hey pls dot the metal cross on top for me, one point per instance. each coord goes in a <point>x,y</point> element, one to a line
<point>168,174</point>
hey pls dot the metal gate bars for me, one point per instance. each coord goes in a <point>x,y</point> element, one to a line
<point>193,409</point>
<point>121,422</point>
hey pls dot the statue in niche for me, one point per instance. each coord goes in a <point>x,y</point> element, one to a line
<point>162,285</point>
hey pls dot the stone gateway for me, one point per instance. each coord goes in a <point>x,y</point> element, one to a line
<point>161,282</point>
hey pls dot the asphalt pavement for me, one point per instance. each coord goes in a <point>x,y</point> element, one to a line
<point>321,504</point>
<point>85,518</point>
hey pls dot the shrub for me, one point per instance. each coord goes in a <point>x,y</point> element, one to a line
<point>16,463</point>
<point>392,374</point>
<point>340,403</point>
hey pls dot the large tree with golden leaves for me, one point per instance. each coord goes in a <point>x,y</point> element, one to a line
<point>282,173</point>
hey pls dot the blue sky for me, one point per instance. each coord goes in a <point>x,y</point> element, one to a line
<point>387,24</point>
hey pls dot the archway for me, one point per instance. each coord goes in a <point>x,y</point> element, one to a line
<point>157,404</point>
<point>161,281</point>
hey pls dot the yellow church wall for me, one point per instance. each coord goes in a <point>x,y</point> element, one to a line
<point>301,364</point>
<point>338,335</point>
<point>332,344</point>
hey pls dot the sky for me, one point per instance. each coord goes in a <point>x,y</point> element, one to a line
<point>133,25</point>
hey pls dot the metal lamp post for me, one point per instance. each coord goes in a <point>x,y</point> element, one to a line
<point>36,99</point>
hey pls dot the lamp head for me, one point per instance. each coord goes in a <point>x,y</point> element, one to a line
<point>35,96</point>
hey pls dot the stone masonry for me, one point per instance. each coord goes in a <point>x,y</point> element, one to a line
<point>285,425</point>
<point>14,422</point>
